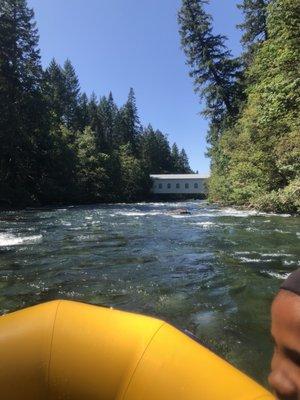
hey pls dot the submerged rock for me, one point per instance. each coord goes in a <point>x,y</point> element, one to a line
<point>180,211</point>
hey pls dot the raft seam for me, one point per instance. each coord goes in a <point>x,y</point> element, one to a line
<point>139,361</point>
<point>51,345</point>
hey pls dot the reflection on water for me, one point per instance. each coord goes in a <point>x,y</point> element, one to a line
<point>213,272</point>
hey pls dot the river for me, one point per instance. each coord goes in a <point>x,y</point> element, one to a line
<point>212,273</point>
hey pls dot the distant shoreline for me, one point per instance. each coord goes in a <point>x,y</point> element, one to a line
<point>48,207</point>
<point>57,205</point>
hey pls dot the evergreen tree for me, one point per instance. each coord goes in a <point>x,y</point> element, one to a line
<point>91,168</point>
<point>113,186</point>
<point>180,162</point>
<point>62,92</point>
<point>254,27</point>
<point>112,135</point>
<point>93,112</point>
<point>95,121</point>
<point>255,21</point>
<point>175,158</point>
<point>184,161</point>
<point>155,151</point>
<point>58,146</point>
<point>135,180</point>
<point>128,123</point>
<point>72,92</point>
<point>54,90</point>
<point>214,70</point>
<point>83,117</point>
<point>21,116</point>
<point>263,150</point>
<point>107,114</point>
<point>60,159</point>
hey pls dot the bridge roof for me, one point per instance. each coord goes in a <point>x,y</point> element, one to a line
<point>178,176</point>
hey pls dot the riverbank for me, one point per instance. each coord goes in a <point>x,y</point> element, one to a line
<point>286,200</point>
<point>159,199</point>
<point>257,209</point>
<point>153,198</point>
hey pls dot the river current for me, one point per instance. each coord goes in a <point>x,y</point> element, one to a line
<point>212,273</point>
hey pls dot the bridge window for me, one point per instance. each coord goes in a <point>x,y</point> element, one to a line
<point>160,186</point>
<point>169,185</point>
<point>186,185</point>
<point>177,185</point>
<point>196,185</point>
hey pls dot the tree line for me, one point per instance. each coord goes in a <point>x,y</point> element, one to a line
<point>251,101</point>
<point>57,144</point>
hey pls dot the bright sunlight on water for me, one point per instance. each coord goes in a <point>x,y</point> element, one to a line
<point>212,273</point>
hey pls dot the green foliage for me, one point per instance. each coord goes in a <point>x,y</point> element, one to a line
<point>157,157</point>
<point>254,27</point>
<point>22,121</point>
<point>62,94</point>
<point>128,123</point>
<point>91,167</point>
<point>72,91</point>
<point>58,145</point>
<point>256,152</point>
<point>59,174</point>
<point>285,200</point>
<point>264,165</point>
<point>156,153</point>
<point>214,70</point>
<point>255,21</point>
<point>135,180</point>
<point>184,163</point>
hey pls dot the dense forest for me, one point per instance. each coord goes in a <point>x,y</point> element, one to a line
<point>57,144</point>
<point>252,102</point>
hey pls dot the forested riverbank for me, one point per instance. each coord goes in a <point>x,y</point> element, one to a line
<point>59,146</point>
<point>252,102</point>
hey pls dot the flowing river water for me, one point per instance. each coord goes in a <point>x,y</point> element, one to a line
<point>212,273</point>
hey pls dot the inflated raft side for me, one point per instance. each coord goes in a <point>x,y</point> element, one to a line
<point>69,350</point>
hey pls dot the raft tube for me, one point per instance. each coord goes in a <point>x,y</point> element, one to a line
<point>69,350</point>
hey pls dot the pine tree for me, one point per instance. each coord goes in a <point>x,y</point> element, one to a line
<point>129,123</point>
<point>184,161</point>
<point>94,119</point>
<point>62,93</point>
<point>148,150</point>
<point>83,118</point>
<point>54,90</point>
<point>60,158</point>
<point>72,92</point>
<point>254,27</point>
<point>56,144</point>
<point>112,105</point>
<point>112,136</point>
<point>180,161</point>
<point>155,151</point>
<point>21,116</point>
<point>214,70</point>
<point>175,158</point>
<point>263,150</point>
<point>255,21</point>
<point>107,110</point>
<point>135,180</point>
<point>91,168</point>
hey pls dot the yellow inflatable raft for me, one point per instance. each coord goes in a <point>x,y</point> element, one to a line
<point>69,350</point>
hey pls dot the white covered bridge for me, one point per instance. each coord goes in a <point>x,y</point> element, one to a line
<point>179,184</point>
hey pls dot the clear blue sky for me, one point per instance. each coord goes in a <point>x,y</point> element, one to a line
<point>118,44</point>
